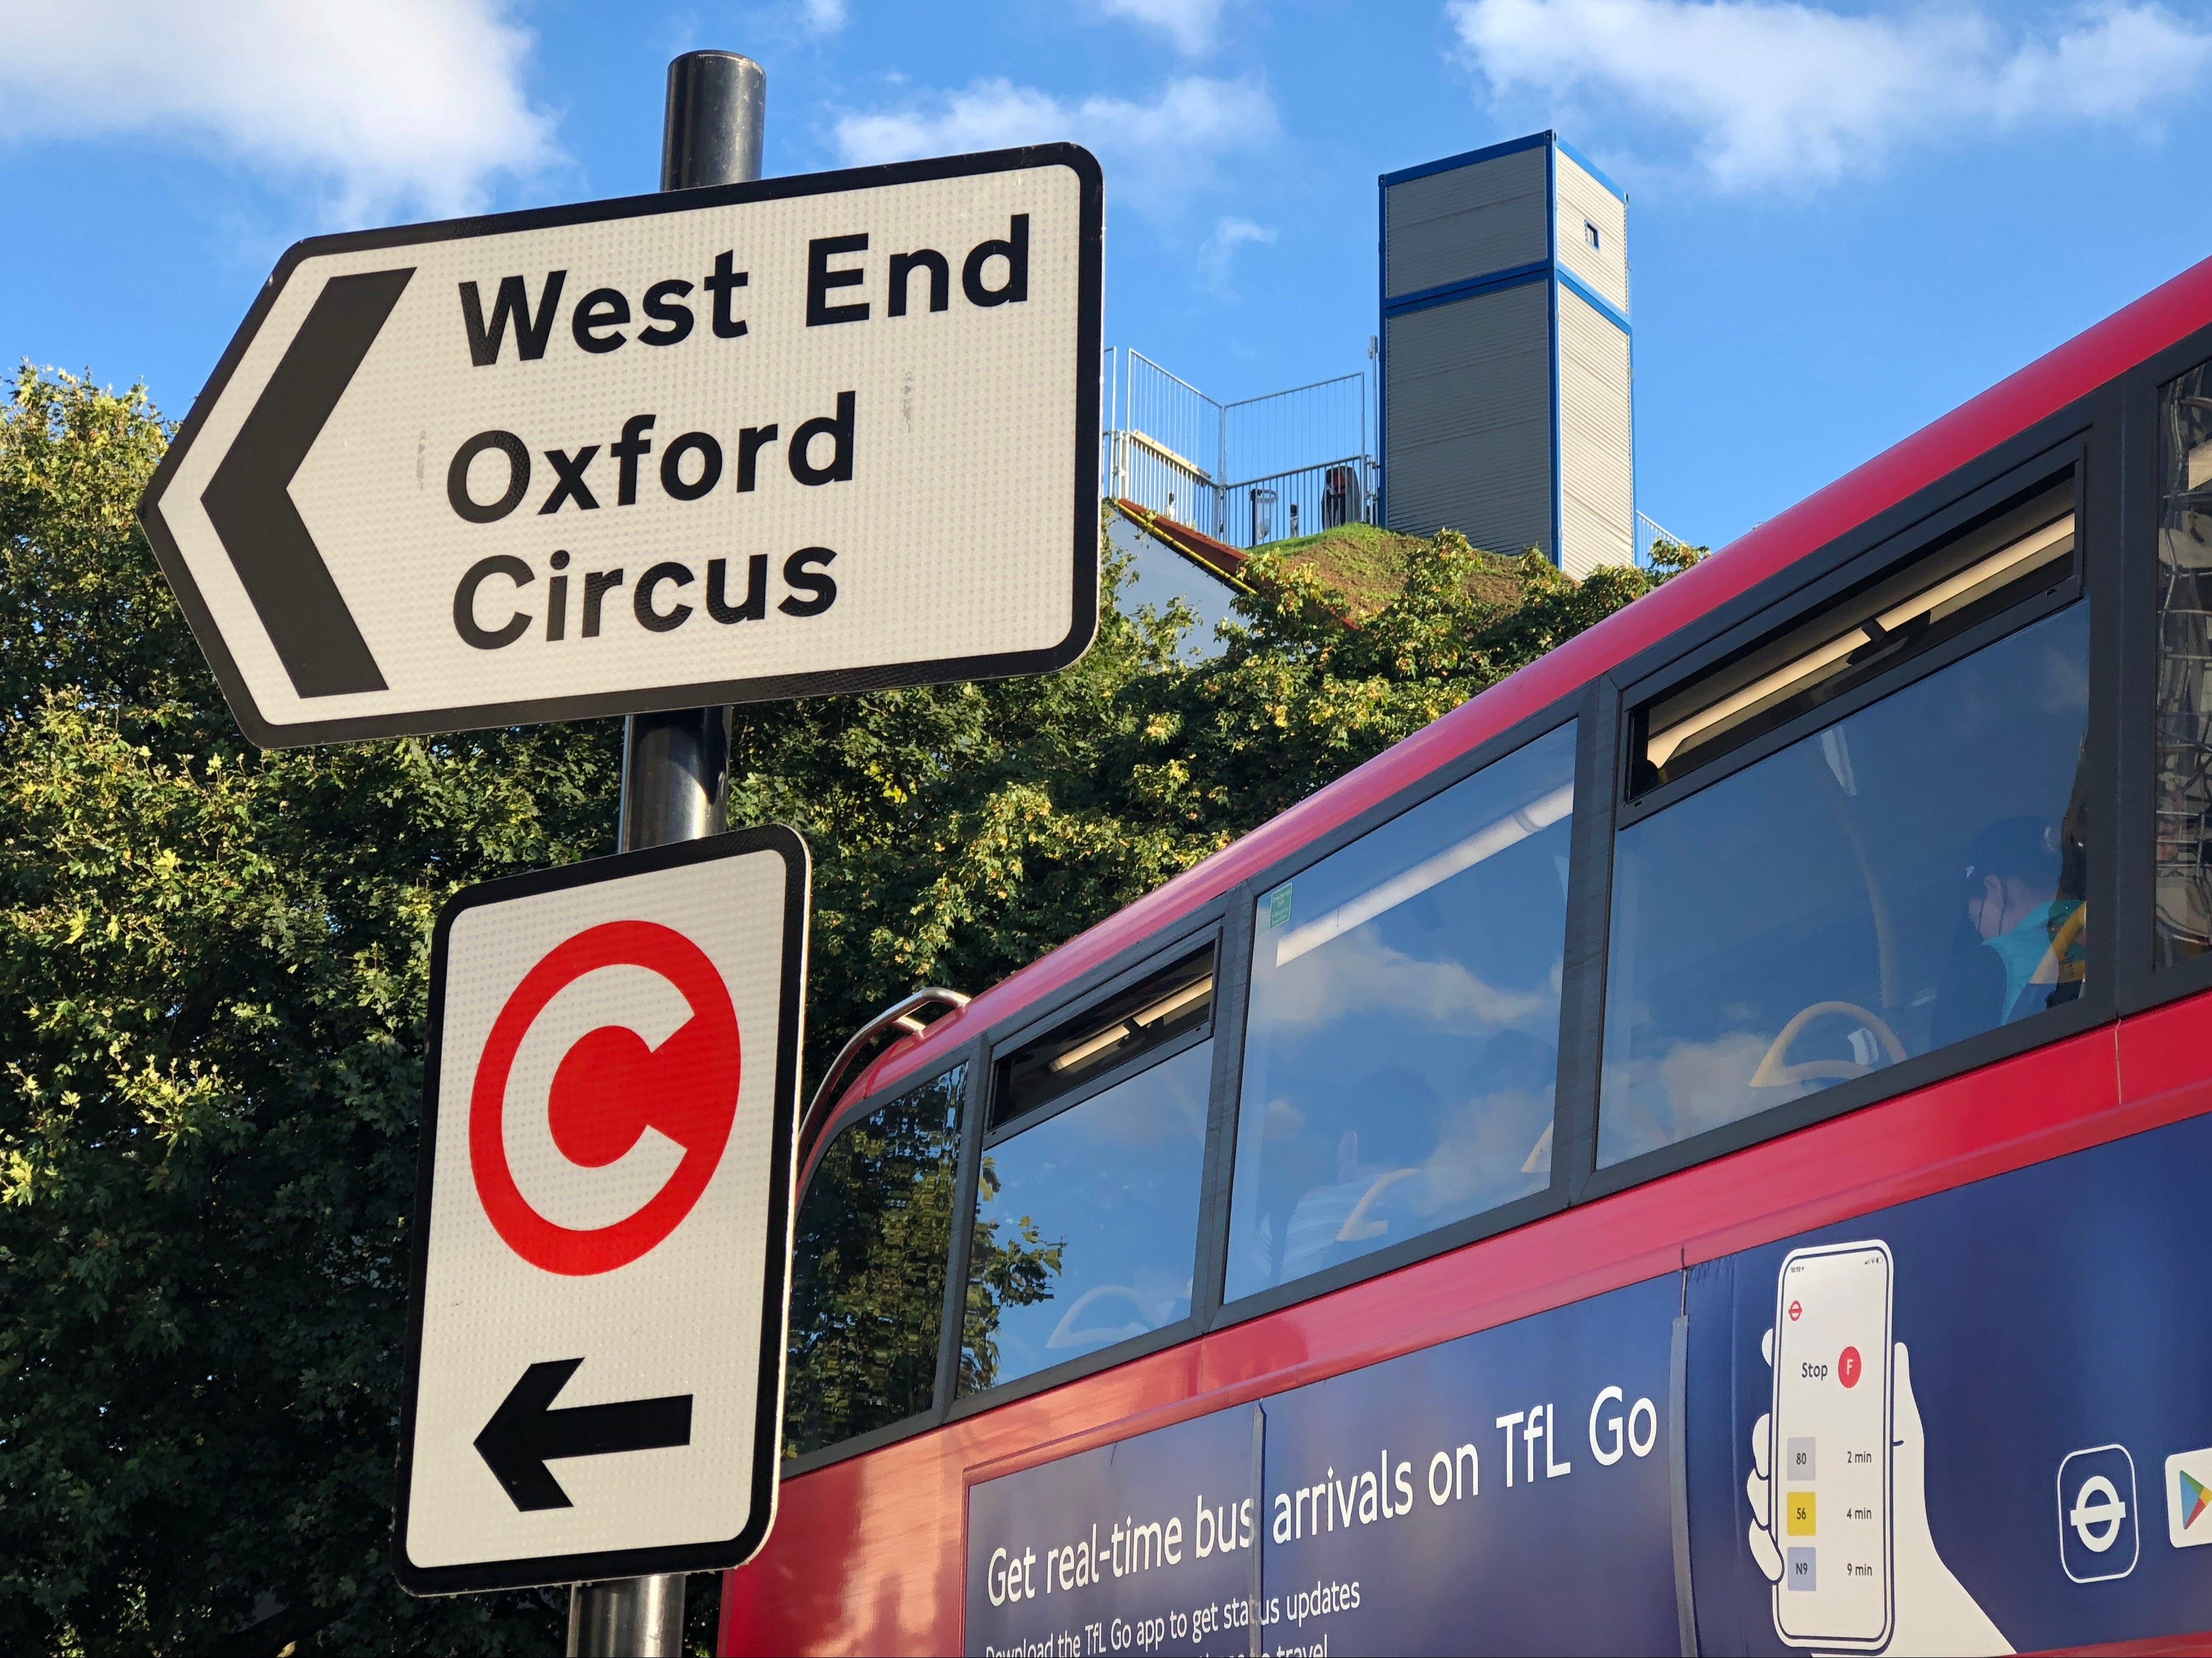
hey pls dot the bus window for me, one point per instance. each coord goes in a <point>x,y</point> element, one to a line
<point>868,1258</point>
<point>1168,1005</point>
<point>2184,758</point>
<point>1862,636</point>
<point>1900,879</point>
<point>1086,1206</point>
<point>1402,1042</point>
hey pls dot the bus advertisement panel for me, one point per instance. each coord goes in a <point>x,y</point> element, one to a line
<point>1975,1422</point>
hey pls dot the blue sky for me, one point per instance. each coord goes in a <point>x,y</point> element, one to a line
<point>1844,218</point>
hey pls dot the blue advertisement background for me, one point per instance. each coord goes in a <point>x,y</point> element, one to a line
<point>2045,1311</point>
<point>1150,1479</point>
<point>1576,1560</point>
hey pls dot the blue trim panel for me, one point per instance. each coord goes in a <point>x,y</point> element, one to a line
<point>1406,175</point>
<point>1584,163</point>
<point>1603,306</point>
<point>1445,293</point>
<point>1559,550</point>
<point>1635,501</point>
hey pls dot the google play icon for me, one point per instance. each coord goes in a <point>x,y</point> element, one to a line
<point>2189,1498</point>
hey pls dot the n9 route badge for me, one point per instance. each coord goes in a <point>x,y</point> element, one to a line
<point>595,1379</point>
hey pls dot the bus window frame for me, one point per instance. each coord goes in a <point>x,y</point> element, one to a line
<point>1202,926</point>
<point>2024,612</point>
<point>1135,1065</point>
<point>2109,437</point>
<point>2086,435</point>
<point>2141,983</point>
<point>1568,1108</point>
<point>970,1054</point>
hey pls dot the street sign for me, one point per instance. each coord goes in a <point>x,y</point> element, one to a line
<point>594,1381</point>
<point>816,433</point>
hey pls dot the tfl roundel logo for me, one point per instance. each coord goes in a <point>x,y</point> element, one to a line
<point>567,1087</point>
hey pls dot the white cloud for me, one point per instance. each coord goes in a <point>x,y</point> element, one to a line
<point>1213,258</point>
<point>387,106</point>
<point>1153,153</point>
<point>1189,23</point>
<point>822,17</point>
<point>1357,973</point>
<point>1768,93</point>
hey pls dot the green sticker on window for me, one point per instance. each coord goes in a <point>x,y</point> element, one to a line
<point>1278,907</point>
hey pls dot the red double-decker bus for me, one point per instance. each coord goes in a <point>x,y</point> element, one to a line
<point>1707,1147</point>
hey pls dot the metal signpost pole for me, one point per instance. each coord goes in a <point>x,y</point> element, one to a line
<point>340,595</point>
<point>675,765</point>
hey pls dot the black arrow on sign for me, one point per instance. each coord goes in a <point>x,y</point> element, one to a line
<point>526,1432</point>
<point>249,499</point>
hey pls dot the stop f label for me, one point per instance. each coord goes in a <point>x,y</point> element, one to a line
<point>721,445</point>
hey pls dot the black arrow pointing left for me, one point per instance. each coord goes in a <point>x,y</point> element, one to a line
<point>249,498</point>
<point>525,1432</point>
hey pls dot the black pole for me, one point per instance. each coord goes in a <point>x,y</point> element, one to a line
<point>675,765</point>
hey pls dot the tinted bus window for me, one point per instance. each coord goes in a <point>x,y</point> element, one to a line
<point>1086,1225</point>
<point>2183,759</point>
<point>1905,877</point>
<point>1401,1041</point>
<point>868,1258</point>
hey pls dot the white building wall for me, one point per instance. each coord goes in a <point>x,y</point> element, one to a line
<point>1597,506</point>
<point>1584,203</point>
<point>1158,573</point>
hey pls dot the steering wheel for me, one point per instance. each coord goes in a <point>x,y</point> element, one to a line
<point>1357,1227</point>
<point>2052,967</point>
<point>1064,1335</point>
<point>1775,1072</point>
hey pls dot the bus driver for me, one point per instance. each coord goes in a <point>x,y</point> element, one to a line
<point>2022,950</point>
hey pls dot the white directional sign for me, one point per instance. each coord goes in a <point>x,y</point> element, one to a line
<point>594,1383</point>
<point>756,440</point>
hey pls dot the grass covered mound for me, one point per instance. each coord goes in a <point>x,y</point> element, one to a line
<point>1366,566</point>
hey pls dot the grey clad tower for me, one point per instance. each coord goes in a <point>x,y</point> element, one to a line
<point>1505,354</point>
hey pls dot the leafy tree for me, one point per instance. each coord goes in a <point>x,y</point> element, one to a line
<point>1009,1264</point>
<point>868,1260</point>
<point>213,973</point>
<point>212,986</point>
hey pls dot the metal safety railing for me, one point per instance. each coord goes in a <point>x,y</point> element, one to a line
<point>1648,530</point>
<point>1300,502</point>
<point>1244,472</point>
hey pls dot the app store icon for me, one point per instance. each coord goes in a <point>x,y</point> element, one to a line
<point>2189,1498</point>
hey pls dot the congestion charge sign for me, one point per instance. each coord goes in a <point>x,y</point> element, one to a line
<point>817,434</point>
<point>595,1359</point>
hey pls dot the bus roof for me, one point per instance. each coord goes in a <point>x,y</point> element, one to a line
<point>2160,318</point>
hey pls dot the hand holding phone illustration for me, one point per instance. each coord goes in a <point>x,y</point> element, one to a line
<point>1838,1492</point>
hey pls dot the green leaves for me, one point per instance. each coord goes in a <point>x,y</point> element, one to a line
<point>213,973</point>
<point>212,977</point>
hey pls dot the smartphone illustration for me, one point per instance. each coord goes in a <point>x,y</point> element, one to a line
<point>1830,1491</point>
